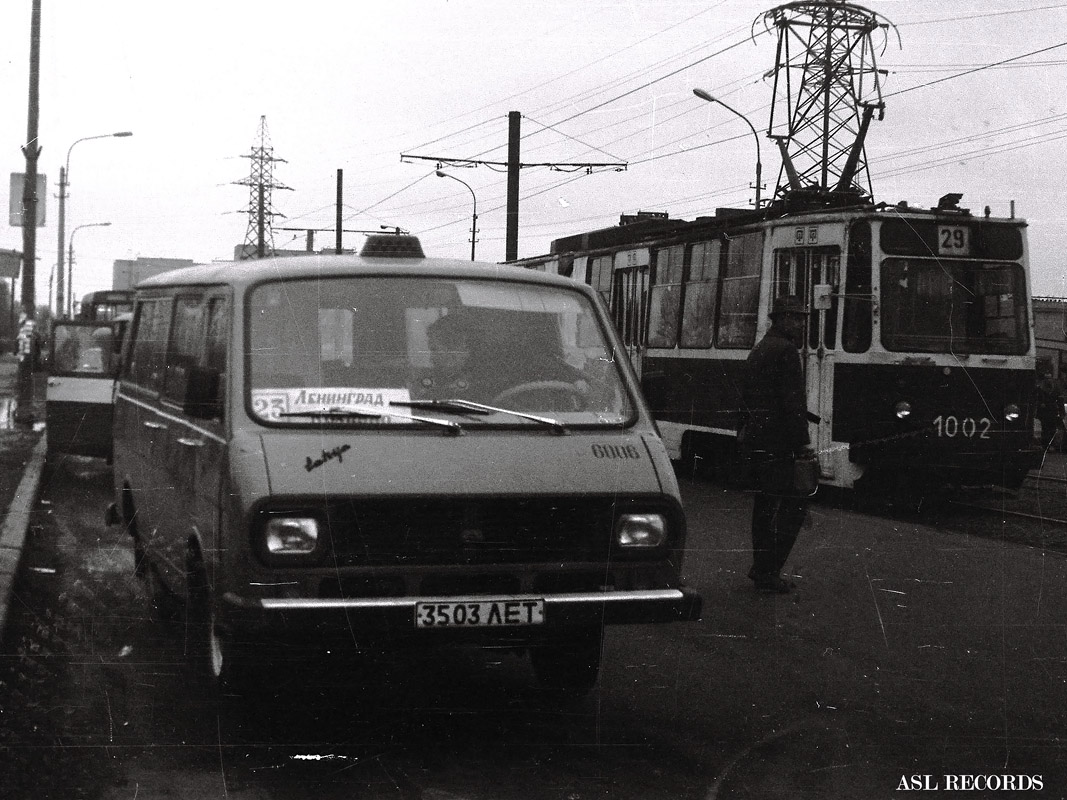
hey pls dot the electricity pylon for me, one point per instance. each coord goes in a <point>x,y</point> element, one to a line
<point>826,90</point>
<point>259,239</point>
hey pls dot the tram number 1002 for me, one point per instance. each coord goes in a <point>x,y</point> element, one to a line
<point>969,428</point>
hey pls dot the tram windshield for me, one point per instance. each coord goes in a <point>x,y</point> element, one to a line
<point>953,307</point>
<point>358,348</point>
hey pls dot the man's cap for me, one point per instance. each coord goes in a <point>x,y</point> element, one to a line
<point>788,305</point>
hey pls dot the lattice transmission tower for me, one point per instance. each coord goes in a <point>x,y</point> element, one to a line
<point>259,239</point>
<point>826,90</point>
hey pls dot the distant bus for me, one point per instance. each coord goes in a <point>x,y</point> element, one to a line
<point>104,306</point>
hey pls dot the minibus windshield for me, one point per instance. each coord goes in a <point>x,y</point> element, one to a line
<point>477,352</point>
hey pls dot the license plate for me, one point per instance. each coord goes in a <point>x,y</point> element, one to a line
<point>480,613</point>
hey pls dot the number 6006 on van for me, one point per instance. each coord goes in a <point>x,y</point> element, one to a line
<point>389,448</point>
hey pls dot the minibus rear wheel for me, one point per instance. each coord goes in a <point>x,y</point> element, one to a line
<point>570,663</point>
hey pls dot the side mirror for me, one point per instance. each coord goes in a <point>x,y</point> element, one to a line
<point>202,400</point>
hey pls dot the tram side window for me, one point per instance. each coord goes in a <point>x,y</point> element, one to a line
<point>856,336</point>
<point>739,296</point>
<point>666,297</point>
<point>184,349</point>
<point>701,292</point>
<point>600,276</point>
<point>149,343</point>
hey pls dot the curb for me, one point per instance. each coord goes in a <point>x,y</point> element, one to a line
<point>17,523</point>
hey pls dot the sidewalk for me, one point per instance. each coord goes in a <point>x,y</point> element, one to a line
<point>22,456</point>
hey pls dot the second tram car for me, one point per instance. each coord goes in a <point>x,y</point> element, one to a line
<point>920,354</point>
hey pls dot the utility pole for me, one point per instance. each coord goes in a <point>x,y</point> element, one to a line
<point>60,299</point>
<point>24,407</point>
<point>513,165</point>
<point>511,241</point>
<point>340,194</point>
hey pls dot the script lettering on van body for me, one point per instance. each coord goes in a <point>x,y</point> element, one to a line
<point>327,455</point>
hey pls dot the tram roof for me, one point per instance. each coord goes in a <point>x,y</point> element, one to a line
<point>637,232</point>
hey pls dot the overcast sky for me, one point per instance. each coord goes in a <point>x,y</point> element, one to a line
<point>352,85</point>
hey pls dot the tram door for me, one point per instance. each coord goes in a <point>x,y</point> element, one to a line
<point>797,272</point>
<point>629,301</point>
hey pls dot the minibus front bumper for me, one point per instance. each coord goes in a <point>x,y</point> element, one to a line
<point>395,615</point>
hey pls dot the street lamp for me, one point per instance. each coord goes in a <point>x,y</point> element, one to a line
<point>64,175</point>
<point>759,166</point>
<point>70,263</point>
<point>474,218</point>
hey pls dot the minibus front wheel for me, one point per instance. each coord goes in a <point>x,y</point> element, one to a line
<point>213,654</point>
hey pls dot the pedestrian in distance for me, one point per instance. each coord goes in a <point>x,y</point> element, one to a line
<point>774,434</point>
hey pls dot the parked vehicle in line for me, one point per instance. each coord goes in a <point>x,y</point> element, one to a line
<point>82,361</point>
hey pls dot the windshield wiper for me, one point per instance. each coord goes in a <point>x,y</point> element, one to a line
<point>333,412</point>
<point>346,413</point>
<point>469,406</point>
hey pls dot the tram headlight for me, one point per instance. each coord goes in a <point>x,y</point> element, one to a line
<point>902,409</point>
<point>1011,412</point>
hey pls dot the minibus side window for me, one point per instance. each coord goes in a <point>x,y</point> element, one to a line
<point>214,352</point>
<point>186,343</point>
<point>218,315</point>
<point>149,343</point>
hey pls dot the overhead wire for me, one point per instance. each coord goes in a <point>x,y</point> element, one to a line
<point>1004,63</point>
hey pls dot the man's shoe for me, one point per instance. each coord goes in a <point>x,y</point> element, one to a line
<point>774,584</point>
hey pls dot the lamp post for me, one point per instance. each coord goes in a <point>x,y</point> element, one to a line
<point>759,166</point>
<point>64,175</point>
<point>474,218</point>
<point>70,262</point>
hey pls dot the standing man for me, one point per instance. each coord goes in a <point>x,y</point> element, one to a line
<point>773,436</point>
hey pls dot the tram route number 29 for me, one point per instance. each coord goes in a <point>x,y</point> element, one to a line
<point>953,240</point>
<point>968,427</point>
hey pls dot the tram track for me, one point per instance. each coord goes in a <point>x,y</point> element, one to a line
<point>1011,513</point>
<point>1047,478</point>
<point>1034,515</point>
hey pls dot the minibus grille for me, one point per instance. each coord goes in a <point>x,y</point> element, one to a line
<point>469,531</point>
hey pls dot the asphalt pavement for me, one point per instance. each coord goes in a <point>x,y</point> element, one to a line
<point>913,607</point>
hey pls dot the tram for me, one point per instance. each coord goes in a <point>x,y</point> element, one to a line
<point>920,353</point>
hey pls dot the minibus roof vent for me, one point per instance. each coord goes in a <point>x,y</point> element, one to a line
<point>390,245</point>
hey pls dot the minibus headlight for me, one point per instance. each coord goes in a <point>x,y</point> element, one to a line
<point>902,409</point>
<point>641,530</point>
<point>284,536</point>
<point>1011,412</point>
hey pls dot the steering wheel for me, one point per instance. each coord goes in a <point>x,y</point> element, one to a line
<point>560,387</point>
